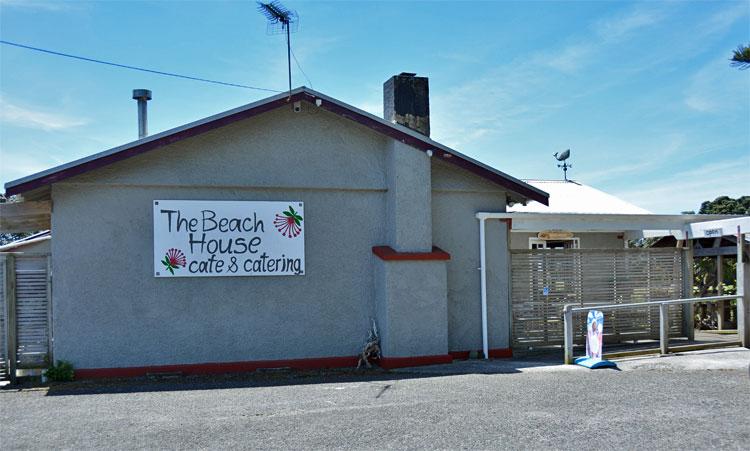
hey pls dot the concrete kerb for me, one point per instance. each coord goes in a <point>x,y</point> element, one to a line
<point>727,359</point>
<point>708,359</point>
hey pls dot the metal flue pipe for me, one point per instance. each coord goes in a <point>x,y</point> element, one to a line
<point>142,96</point>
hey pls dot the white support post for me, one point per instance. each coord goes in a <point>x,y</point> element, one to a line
<point>568,333</point>
<point>688,310</point>
<point>664,328</point>
<point>50,330</point>
<point>483,275</point>
<point>721,305</point>
<point>743,291</point>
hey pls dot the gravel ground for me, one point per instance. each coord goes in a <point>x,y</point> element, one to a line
<point>669,403</point>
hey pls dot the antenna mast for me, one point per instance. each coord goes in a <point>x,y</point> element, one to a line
<point>281,20</point>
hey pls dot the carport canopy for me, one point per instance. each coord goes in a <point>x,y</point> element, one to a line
<point>632,226</point>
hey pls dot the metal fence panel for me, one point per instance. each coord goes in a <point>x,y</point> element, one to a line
<point>32,311</point>
<point>3,344</point>
<point>544,280</point>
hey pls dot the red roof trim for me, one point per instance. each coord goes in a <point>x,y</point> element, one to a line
<point>387,253</point>
<point>253,365</point>
<point>390,363</point>
<point>424,146</point>
<point>343,111</point>
<point>148,146</point>
<point>218,367</point>
<point>499,353</point>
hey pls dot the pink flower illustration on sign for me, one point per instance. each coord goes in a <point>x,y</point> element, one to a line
<point>174,259</point>
<point>290,224</point>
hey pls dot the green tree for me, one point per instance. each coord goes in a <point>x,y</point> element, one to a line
<point>725,205</point>
<point>741,57</point>
<point>704,268</point>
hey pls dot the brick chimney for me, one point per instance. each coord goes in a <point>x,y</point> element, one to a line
<point>406,101</point>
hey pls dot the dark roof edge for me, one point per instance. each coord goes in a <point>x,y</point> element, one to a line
<point>395,131</point>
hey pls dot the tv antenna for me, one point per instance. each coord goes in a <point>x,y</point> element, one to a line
<point>281,20</point>
<point>562,157</point>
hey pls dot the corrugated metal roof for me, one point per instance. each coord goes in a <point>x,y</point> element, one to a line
<point>575,197</point>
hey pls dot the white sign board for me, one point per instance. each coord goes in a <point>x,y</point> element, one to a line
<point>197,238</point>
<point>713,232</point>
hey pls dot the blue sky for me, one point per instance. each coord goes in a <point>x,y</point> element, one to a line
<point>642,93</point>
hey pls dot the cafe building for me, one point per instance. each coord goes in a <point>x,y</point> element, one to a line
<point>274,235</point>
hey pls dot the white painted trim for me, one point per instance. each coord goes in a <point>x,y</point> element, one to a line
<point>720,227</point>
<point>656,225</point>
<point>25,242</point>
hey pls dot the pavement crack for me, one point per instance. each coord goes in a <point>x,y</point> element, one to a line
<point>383,389</point>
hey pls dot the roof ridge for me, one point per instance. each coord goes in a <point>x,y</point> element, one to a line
<point>378,124</point>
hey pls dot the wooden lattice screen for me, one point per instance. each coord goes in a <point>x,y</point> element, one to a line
<point>543,281</point>
<point>25,337</point>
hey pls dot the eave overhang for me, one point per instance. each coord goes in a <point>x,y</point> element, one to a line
<point>395,131</point>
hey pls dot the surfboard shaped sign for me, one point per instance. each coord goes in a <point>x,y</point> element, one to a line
<point>199,238</point>
<point>594,334</point>
<point>594,342</point>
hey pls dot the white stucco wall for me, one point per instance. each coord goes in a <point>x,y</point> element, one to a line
<point>109,310</point>
<point>456,197</point>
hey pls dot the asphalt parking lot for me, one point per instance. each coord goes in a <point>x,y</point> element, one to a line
<point>698,400</point>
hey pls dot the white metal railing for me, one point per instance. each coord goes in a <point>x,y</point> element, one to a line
<point>570,309</point>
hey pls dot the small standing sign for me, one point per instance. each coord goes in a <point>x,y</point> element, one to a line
<point>594,326</point>
<point>594,342</point>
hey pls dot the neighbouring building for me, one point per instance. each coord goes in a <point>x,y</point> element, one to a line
<point>36,243</point>
<point>569,198</point>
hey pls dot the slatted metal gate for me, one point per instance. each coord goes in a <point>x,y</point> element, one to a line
<point>544,280</point>
<point>25,317</point>
<point>3,338</point>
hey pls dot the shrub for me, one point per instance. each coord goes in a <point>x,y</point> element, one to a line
<point>61,371</point>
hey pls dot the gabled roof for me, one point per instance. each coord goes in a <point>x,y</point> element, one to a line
<point>396,131</point>
<point>573,197</point>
